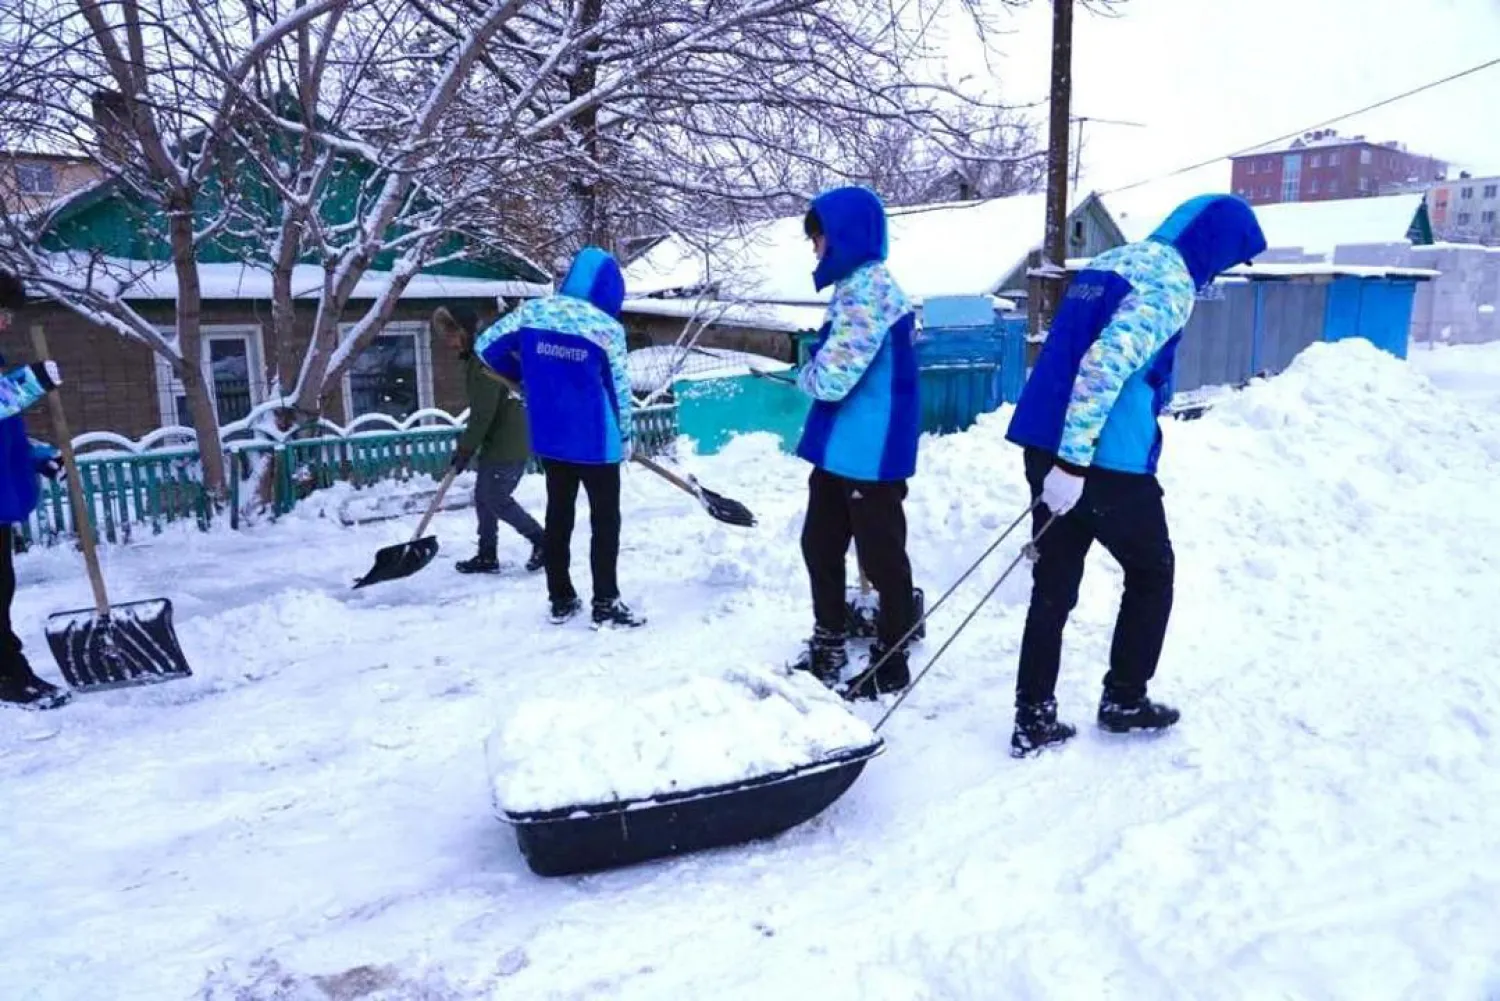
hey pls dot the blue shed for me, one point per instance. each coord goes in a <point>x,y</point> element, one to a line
<point>1255,320</point>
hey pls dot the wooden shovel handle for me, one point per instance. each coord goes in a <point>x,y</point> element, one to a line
<point>436,502</point>
<point>81,519</point>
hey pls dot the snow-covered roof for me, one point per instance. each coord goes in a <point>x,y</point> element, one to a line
<point>1314,269</point>
<point>144,280</point>
<point>1319,227</point>
<point>956,248</point>
<point>1313,227</point>
<point>760,315</point>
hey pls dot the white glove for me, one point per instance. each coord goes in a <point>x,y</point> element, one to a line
<point>1061,490</point>
<point>53,372</point>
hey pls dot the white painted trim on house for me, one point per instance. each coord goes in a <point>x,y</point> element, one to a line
<point>168,386</point>
<point>422,333</point>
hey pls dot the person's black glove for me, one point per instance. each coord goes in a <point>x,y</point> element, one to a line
<point>50,467</point>
<point>461,457</point>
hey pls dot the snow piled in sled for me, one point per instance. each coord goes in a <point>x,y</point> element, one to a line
<point>706,731</point>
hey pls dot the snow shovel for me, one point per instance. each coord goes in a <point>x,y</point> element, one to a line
<point>863,606</point>
<point>106,647</point>
<point>406,558</point>
<point>721,508</point>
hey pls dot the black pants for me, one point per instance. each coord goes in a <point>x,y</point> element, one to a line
<point>602,482</point>
<point>871,514</point>
<point>1124,513</point>
<point>12,662</point>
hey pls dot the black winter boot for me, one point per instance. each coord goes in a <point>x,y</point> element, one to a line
<point>22,689</point>
<point>538,558</point>
<point>1122,715</point>
<point>824,656</point>
<point>893,675</point>
<point>483,561</point>
<point>564,610</point>
<point>1037,727</point>
<point>615,613</point>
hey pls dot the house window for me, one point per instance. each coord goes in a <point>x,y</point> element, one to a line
<point>1291,177</point>
<point>36,179</point>
<point>1466,193</point>
<point>1312,186</point>
<point>1488,216</point>
<point>1463,218</point>
<point>1490,190</point>
<point>393,376</point>
<point>1364,157</point>
<point>1333,186</point>
<point>234,368</point>
<point>1317,159</point>
<point>1333,159</point>
<point>1252,167</point>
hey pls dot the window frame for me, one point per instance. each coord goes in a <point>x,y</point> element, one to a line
<point>421,332</point>
<point>169,387</point>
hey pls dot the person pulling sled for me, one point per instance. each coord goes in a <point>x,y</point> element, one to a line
<point>22,464</point>
<point>495,440</point>
<point>568,352</point>
<point>1087,421</point>
<point>861,438</point>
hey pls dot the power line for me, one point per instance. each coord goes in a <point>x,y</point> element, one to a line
<point>1308,128</point>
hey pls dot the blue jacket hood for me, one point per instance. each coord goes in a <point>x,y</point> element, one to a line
<point>595,277</point>
<point>1212,233</point>
<point>853,220</point>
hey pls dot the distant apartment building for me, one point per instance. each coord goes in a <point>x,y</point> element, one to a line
<point>1465,210</point>
<point>31,181</point>
<point>1323,165</point>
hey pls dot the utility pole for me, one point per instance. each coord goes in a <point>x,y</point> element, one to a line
<point>1049,273</point>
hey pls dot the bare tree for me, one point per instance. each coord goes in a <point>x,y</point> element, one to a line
<point>122,81</point>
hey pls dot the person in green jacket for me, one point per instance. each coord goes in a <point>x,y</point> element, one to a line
<point>496,436</point>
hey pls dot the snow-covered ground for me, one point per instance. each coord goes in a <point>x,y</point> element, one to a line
<point>309,816</point>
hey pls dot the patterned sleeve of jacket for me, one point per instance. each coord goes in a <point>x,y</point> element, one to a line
<point>499,344</point>
<point>862,311</point>
<point>20,388</point>
<point>1145,321</point>
<point>620,372</point>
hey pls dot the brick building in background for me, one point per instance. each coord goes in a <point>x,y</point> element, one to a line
<point>1466,210</point>
<point>31,181</point>
<point>1323,165</point>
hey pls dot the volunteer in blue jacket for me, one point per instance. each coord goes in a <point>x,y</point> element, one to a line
<point>1087,420</point>
<point>568,353</point>
<point>21,464</point>
<point>861,438</point>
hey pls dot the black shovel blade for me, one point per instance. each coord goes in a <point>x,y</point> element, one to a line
<point>400,560</point>
<point>134,645</point>
<point>725,509</point>
<point>862,610</point>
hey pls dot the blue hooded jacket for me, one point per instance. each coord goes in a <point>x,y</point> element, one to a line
<point>568,352</point>
<point>866,416</point>
<point>20,483</point>
<point>1105,371</point>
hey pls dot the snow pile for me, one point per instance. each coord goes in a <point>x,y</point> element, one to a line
<point>707,731</point>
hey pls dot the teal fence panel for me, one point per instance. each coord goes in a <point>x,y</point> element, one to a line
<point>126,491</point>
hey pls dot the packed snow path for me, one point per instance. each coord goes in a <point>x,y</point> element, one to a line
<point>309,818</point>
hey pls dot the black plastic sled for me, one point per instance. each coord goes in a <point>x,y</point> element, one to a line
<point>864,606</point>
<point>579,839</point>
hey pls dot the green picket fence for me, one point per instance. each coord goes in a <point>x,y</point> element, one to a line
<point>127,491</point>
